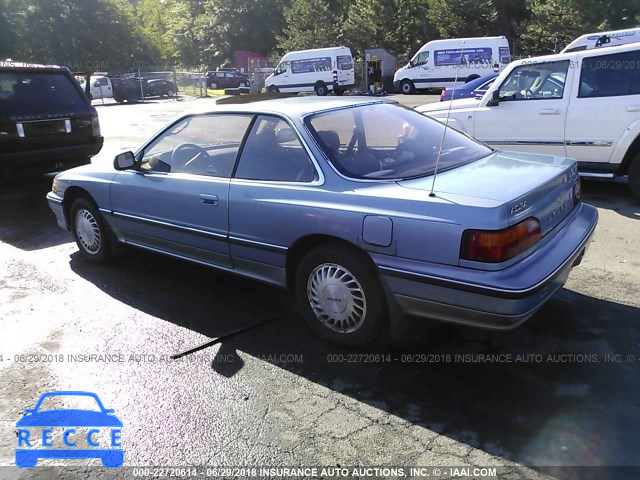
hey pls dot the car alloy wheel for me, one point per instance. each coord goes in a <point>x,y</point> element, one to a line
<point>213,85</point>
<point>170,93</point>
<point>337,298</point>
<point>340,295</point>
<point>89,232</point>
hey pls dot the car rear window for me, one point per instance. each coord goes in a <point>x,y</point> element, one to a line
<point>386,141</point>
<point>38,92</point>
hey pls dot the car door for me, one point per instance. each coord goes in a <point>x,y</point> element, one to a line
<point>274,173</point>
<point>177,200</point>
<point>607,101</point>
<point>531,113</point>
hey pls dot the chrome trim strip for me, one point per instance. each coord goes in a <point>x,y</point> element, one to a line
<point>525,142</point>
<point>171,226</point>
<point>263,245</point>
<point>596,175</point>
<point>595,143</point>
<point>105,210</point>
<point>552,143</point>
<point>54,199</point>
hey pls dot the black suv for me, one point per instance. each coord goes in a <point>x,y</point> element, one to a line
<point>46,121</point>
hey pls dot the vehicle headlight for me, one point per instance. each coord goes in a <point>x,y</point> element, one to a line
<point>57,187</point>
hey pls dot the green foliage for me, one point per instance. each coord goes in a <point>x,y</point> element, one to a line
<point>463,18</point>
<point>123,34</point>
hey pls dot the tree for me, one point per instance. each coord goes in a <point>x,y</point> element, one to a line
<point>463,18</point>
<point>312,24</point>
<point>230,25</point>
<point>552,25</point>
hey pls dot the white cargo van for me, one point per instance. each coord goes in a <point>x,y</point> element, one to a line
<point>603,39</point>
<point>439,62</point>
<point>584,105</point>
<point>320,70</point>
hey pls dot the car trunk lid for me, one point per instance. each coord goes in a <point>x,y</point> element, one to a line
<point>529,185</point>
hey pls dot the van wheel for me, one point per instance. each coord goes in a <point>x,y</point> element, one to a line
<point>471,77</point>
<point>321,89</point>
<point>406,87</point>
<point>340,295</point>
<point>634,176</point>
<point>273,89</point>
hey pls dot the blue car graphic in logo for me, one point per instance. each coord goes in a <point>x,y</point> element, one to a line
<point>99,423</point>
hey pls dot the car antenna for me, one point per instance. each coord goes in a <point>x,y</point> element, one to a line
<point>446,124</point>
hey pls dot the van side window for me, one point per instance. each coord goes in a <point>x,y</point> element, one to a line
<point>610,75</point>
<point>421,59</point>
<point>536,81</point>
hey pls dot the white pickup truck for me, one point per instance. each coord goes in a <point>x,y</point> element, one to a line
<point>584,105</point>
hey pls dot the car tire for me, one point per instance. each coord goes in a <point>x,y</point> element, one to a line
<point>170,93</point>
<point>321,89</point>
<point>274,89</point>
<point>471,77</point>
<point>633,175</point>
<point>89,231</point>
<point>406,87</point>
<point>242,84</point>
<point>356,314</point>
<point>213,85</point>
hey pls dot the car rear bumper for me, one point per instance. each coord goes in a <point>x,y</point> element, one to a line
<point>491,299</point>
<point>30,162</point>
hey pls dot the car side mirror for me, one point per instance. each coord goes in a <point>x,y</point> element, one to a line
<point>495,99</point>
<point>124,161</point>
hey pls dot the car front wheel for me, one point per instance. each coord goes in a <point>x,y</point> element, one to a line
<point>340,295</point>
<point>213,85</point>
<point>89,231</point>
<point>407,87</point>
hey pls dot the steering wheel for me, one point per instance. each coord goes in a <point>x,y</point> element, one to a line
<point>196,152</point>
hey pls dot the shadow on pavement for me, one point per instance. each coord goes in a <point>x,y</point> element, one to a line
<point>26,222</point>
<point>561,390</point>
<point>611,195</point>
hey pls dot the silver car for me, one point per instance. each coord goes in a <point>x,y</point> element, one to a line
<point>338,200</point>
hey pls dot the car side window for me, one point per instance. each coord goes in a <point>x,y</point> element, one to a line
<point>610,75</point>
<point>200,145</point>
<point>281,68</point>
<point>273,152</point>
<point>535,81</point>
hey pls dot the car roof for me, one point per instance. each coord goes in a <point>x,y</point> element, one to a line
<point>294,107</point>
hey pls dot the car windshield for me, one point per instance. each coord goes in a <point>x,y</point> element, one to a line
<point>387,141</point>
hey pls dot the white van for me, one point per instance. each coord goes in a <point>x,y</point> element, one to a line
<point>439,62</point>
<point>320,70</point>
<point>603,39</point>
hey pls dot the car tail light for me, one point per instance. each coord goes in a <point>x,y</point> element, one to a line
<point>577,192</point>
<point>95,126</point>
<point>442,94</point>
<point>499,245</point>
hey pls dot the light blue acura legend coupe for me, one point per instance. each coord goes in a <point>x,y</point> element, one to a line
<point>336,200</point>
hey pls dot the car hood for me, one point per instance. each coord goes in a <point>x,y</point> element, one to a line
<point>69,418</point>
<point>453,104</point>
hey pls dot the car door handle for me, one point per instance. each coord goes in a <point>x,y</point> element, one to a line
<point>549,111</point>
<point>633,108</point>
<point>209,199</point>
